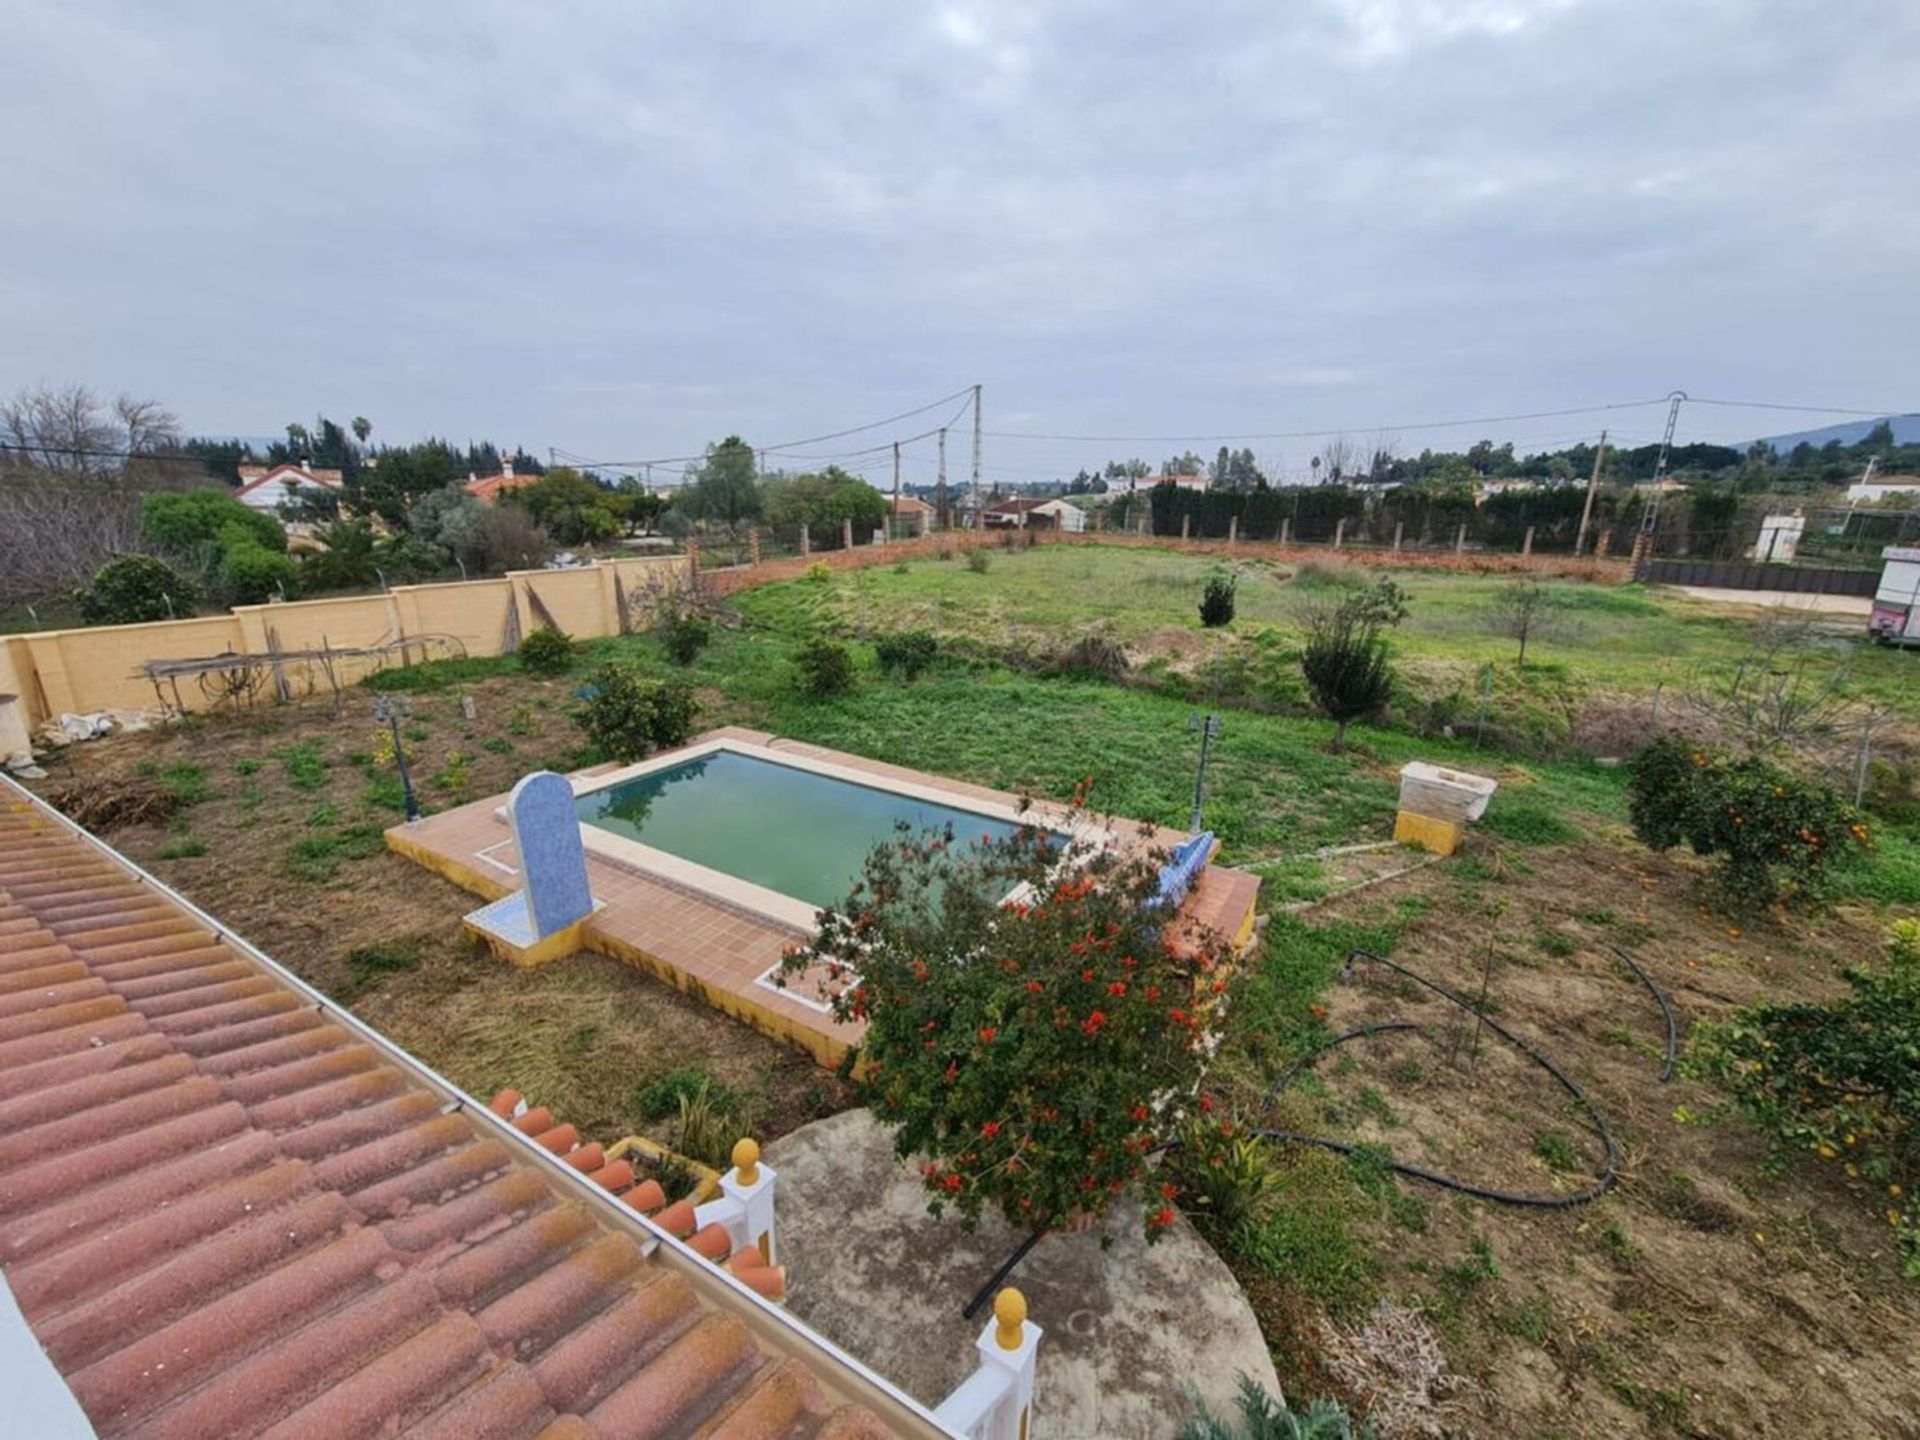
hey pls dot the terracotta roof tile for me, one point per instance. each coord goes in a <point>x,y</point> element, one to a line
<point>225,1213</point>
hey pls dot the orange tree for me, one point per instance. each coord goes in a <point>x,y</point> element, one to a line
<point>1033,1030</point>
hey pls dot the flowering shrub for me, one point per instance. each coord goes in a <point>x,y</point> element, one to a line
<point>1031,1053</point>
<point>1841,1081</point>
<point>1773,834</point>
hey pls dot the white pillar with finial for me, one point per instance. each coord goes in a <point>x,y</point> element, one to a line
<point>996,1401</point>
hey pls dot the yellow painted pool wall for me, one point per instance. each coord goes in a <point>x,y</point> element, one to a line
<point>55,672</point>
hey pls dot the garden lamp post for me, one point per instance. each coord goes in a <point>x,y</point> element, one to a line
<point>393,709</point>
<point>1209,728</point>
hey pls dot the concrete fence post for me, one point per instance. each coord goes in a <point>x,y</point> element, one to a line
<point>1286,530</point>
<point>1526,545</point>
<point>1399,529</point>
<point>1233,528</point>
<point>1460,539</point>
<point>753,546</point>
<point>1339,531</point>
<point>806,541</point>
<point>1186,525</point>
<point>846,534</point>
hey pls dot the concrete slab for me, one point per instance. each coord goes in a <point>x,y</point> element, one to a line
<point>1126,1326</point>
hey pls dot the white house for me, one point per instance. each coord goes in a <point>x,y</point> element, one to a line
<point>1062,515</point>
<point>268,487</point>
<point>1872,492</point>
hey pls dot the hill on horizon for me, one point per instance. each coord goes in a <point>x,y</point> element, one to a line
<point>1906,431</point>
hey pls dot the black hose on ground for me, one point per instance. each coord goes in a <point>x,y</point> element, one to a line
<point>1600,1186</point>
<point>1673,1026</point>
<point>1603,1183</point>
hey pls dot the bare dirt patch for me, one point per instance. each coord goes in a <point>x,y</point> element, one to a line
<point>1717,1291</point>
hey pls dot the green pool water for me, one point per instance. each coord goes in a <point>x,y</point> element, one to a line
<point>790,830</point>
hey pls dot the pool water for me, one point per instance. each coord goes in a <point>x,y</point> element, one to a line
<point>792,831</point>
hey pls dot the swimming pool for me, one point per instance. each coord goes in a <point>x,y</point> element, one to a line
<point>789,832</point>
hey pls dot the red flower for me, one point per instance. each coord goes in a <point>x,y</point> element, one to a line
<point>1206,1104</point>
<point>1087,975</point>
<point>1034,987</point>
<point>1139,1114</point>
<point>1163,1217</point>
<point>1118,987</point>
<point>1091,1025</point>
<point>952,1182</point>
<point>1153,992</point>
<point>987,1032</point>
<point>990,1129</point>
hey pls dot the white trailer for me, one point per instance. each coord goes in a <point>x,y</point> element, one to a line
<point>1896,604</point>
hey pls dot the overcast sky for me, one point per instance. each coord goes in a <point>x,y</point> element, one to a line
<point>625,229</point>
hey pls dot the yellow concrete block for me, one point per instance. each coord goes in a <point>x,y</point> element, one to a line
<point>1442,837</point>
<point>556,946</point>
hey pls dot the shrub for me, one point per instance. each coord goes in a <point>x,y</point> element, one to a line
<point>978,560</point>
<point>1267,1417</point>
<point>1772,834</point>
<point>181,522</point>
<point>406,559</point>
<point>1840,1080</point>
<point>684,637</point>
<point>1038,1080</point>
<point>1098,653</point>
<point>1345,659</point>
<point>908,653</point>
<point>251,574</point>
<point>819,573</point>
<point>136,588</point>
<point>1216,602</point>
<point>825,667</point>
<point>547,651</point>
<point>627,715</point>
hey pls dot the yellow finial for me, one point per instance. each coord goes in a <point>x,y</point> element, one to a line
<point>1010,1311</point>
<point>746,1161</point>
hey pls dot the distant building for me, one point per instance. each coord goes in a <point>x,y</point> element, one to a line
<point>1872,492</point>
<point>1128,484</point>
<point>267,487</point>
<point>489,488</point>
<point>1059,515</point>
<point>914,517</point>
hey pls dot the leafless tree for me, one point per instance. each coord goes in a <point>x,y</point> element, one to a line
<point>1785,693</point>
<point>68,428</point>
<point>1525,610</point>
<point>1339,458</point>
<point>1384,446</point>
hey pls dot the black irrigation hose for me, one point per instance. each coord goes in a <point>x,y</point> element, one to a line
<point>1673,1026</point>
<point>1599,1187</point>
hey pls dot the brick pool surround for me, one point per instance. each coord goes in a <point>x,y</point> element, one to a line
<point>757,899</point>
<point>710,939</point>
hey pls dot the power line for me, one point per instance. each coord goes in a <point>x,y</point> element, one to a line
<point>1804,409</point>
<point>1323,434</point>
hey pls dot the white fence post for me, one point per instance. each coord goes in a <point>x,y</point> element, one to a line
<point>745,1205</point>
<point>996,1401</point>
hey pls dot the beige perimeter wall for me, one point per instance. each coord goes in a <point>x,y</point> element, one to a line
<point>56,672</point>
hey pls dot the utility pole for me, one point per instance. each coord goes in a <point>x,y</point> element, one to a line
<point>976,449</point>
<point>1593,483</point>
<point>1650,517</point>
<point>894,518</point>
<point>940,485</point>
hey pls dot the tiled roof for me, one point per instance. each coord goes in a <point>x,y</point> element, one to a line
<point>252,477</point>
<point>226,1210</point>
<point>489,487</point>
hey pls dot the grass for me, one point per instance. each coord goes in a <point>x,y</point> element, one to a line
<point>367,965</point>
<point>317,858</point>
<point>306,764</point>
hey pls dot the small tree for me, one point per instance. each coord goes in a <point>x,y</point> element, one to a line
<point>1525,610</point>
<point>1345,659</point>
<point>1030,1054</point>
<point>627,715</point>
<point>825,667</point>
<point>134,589</point>
<point>1216,602</point>
<point>547,651</point>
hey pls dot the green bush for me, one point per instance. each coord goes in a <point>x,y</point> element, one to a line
<point>684,637</point>
<point>627,715</point>
<point>1268,1417</point>
<point>1772,835</point>
<point>251,574</point>
<point>1841,1081</point>
<point>825,667</point>
<point>908,653</point>
<point>182,521</point>
<point>978,560</point>
<point>547,651</point>
<point>1216,602</point>
<point>136,588</point>
<point>1345,659</point>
